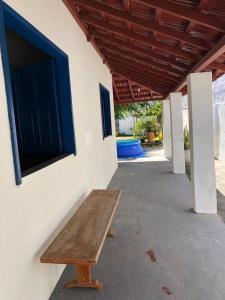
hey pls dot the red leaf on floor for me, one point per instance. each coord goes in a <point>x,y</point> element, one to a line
<point>166,290</point>
<point>151,254</point>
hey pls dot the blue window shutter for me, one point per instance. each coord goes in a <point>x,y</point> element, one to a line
<point>106,111</point>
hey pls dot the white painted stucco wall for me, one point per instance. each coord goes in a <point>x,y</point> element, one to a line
<point>218,89</point>
<point>126,126</point>
<point>185,111</point>
<point>219,117</point>
<point>31,214</point>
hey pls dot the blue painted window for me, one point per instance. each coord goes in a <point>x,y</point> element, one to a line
<point>38,93</point>
<point>106,111</point>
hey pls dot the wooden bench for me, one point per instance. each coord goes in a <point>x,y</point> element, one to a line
<point>81,240</point>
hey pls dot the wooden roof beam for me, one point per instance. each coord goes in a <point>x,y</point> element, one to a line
<point>142,69</point>
<point>118,77</point>
<point>151,79</point>
<point>148,53</point>
<point>185,13</point>
<point>149,62</point>
<point>131,89</point>
<point>161,77</point>
<point>115,89</point>
<point>135,36</point>
<point>205,61</point>
<point>150,26</point>
<point>156,90</point>
<point>73,10</point>
<point>127,101</point>
<point>141,82</point>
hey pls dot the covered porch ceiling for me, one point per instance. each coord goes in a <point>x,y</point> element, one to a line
<point>150,46</point>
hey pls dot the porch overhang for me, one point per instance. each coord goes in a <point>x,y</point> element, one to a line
<point>150,46</point>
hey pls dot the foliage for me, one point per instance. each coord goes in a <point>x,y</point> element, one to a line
<point>148,115</point>
<point>140,128</point>
<point>159,137</point>
<point>146,124</point>
<point>152,124</point>
<point>187,143</point>
<point>141,109</point>
<point>121,112</point>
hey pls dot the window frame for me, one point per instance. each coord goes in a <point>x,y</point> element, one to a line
<point>105,111</point>
<point>11,19</point>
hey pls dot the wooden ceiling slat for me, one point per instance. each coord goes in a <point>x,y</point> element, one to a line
<point>115,88</point>
<point>148,53</point>
<point>146,40</point>
<point>185,13</point>
<point>206,60</point>
<point>121,81</point>
<point>161,89</point>
<point>150,79</point>
<point>153,44</point>
<point>131,90</point>
<point>139,68</point>
<point>142,60</point>
<point>149,26</point>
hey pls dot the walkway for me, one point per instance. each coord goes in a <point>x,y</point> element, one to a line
<point>155,214</point>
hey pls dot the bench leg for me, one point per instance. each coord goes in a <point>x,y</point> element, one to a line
<point>83,278</point>
<point>111,233</point>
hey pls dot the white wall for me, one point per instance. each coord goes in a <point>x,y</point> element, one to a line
<point>31,214</point>
<point>219,118</point>
<point>126,126</point>
<point>185,112</point>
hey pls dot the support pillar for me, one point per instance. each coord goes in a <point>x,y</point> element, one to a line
<point>167,129</point>
<point>203,176</point>
<point>177,133</point>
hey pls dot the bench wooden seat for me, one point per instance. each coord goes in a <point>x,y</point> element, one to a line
<point>81,240</point>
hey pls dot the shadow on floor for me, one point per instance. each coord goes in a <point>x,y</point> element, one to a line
<point>220,196</point>
<point>154,215</point>
<point>221,205</point>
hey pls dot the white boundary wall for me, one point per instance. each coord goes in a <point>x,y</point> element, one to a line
<point>31,214</point>
<point>126,126</point>
<point>219,118</point>
<point>218,114</point>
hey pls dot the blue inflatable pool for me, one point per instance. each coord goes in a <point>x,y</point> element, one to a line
<point>129,148</point>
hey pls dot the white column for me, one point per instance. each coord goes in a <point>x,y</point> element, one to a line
<point>203,176</point>
<point>167,129</point>
<point>177,133</point>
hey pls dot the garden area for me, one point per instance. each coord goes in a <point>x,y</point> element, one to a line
<point>142,123</point>
<point>147,122</point>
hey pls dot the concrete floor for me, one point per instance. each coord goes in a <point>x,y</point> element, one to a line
<point>155,214</point>
<point>220,184</point>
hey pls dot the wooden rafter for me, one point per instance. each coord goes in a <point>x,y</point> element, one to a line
<point>206,60</point>
<point>140,59</point>
<point>141,81</point>
<point>149,53</point>
<point>131,90</point>
<point>159,88</point>
<point>185,13</point>
<point>138,37</point>
<point>152,26</point>
<point>161,77</point>
<point>153,44</point>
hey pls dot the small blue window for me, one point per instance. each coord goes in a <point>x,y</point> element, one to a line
<point>106,111</point>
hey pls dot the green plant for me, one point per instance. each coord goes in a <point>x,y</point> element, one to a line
<point>141,109</point>
<point>140,128</point>
<point>152,124</point>
<point>187,143</point>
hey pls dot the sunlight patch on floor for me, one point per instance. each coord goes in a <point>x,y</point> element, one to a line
<point>152,154</point>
